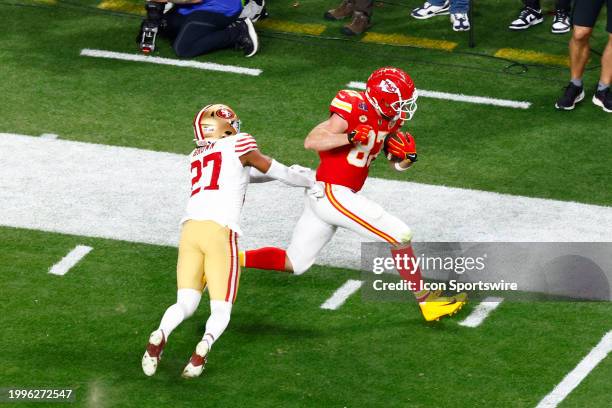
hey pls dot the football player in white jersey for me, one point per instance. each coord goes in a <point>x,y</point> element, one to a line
<point>221,167</point>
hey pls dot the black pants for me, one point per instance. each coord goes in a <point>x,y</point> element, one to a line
<point>559,4</point>
<point>587,11</point>
<point>199,32</point>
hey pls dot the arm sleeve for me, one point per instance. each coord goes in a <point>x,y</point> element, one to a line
<point>256,176</point>
<point>244,144</point>
<point>294,176</point>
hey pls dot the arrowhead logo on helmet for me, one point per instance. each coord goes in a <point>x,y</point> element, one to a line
<point>388,86</point>
<point>215,122</point>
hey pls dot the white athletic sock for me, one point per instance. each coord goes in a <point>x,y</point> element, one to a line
<point>187,301</point>
<point>220,313</point>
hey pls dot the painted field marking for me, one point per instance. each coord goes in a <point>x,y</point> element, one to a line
<point>401,39</point>
<point>70,202</point>
<point>67,262</point>
<point>122,5</point>
<point>49,136</point>
<point>209,66</point>
<point>480,312</point>
<point>480,100</point>
<point>291,27</point>
<point>532,56</point>
<point>342,294</point>
<point>579,373</point>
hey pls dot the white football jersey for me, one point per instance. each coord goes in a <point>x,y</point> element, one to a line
<point>219,181</point>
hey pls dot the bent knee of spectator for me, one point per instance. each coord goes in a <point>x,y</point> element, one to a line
<point>183,51</point>
<point>581,33</point>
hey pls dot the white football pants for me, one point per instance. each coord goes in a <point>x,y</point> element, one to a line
<point>329,206</point>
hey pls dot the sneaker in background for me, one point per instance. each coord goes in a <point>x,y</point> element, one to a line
<point>571,96</point>
<point>528,17</point>
<point>561,22</point>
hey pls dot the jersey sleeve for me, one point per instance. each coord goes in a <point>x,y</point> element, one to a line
<point>245,143</point>
<point>342,104</point>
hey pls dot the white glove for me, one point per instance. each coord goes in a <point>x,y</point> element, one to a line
<point>316,191</point>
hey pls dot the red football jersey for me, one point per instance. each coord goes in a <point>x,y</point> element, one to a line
<point>349,165</point>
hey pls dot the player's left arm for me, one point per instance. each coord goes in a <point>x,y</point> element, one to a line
<point>268,168</point>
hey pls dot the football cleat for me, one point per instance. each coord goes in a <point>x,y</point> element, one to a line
<point>197,361</point>
<point>435,308</point>
<point>152,355</point>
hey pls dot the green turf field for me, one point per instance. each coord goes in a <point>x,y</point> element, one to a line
<point>87,330</point>
<point>535,152</point>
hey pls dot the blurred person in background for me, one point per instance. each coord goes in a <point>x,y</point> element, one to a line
<point>584,18</point>
<point>197,27</point>
<point>531,15</point>
<point>359,10</point>
<point>458,10</point>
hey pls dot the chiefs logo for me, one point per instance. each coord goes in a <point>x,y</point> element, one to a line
<point>225,113</point>
<point>387,86</point>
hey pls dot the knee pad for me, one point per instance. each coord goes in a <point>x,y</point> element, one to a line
<point>188,300</point>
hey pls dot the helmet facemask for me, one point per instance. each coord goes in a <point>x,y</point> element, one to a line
<point>407,106</point>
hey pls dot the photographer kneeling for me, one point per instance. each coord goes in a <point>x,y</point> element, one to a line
<point>197,27</point>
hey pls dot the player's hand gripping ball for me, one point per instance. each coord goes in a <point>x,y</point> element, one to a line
<point>361,134</point>
<point>400,146</point>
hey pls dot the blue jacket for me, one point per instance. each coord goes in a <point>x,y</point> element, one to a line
<point>228,8</point>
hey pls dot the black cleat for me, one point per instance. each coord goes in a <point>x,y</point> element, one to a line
<point>571,96</point>
<point>603,99</point>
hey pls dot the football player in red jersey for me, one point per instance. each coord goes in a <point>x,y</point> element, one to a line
<point>347,142</point>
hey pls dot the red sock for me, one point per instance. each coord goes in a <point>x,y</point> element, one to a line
<point>410,271</point>
<point>266,258</point>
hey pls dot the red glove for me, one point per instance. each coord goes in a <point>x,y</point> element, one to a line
<point>361,134</point>
<point>401,146</point>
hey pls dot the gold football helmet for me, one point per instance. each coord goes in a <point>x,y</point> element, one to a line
<point>215,121</point>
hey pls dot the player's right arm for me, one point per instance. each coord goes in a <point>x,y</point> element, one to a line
<point>328,135</point>
<point>275,170</point>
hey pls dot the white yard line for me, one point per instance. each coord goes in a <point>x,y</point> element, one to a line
<point>480,312</point>
<point>67,262</point>
<point>49,136</point>
<point>579,373</point>
<point>342,294</point>
<point>481,100</point>
<point>139,196</point>
<point>209,66</point>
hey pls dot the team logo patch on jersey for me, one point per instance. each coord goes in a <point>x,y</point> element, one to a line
<point>363,106</point>
<point>388,86</point>
<point>363,118</point>
<point>225,113</point>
